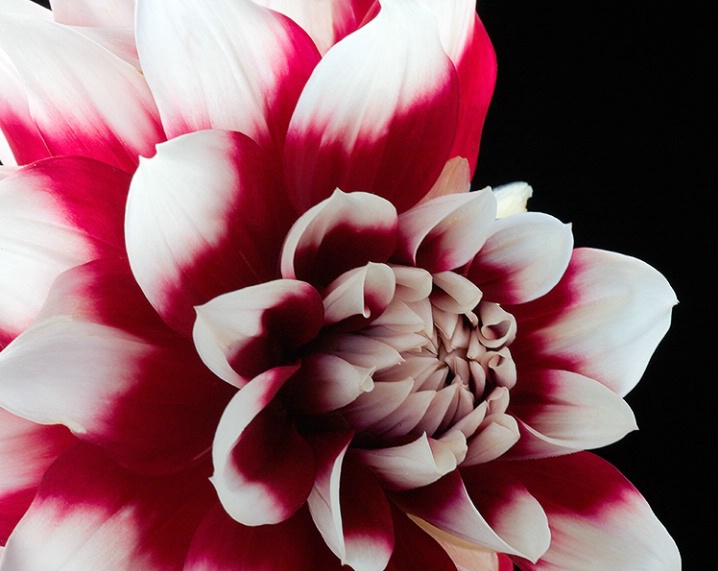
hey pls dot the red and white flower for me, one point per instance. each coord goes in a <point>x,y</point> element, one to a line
<point>251,317</point>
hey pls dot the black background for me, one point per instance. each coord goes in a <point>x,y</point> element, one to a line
<point>604,108</point>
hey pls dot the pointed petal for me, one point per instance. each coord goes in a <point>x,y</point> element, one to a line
<point>84,100</point>
<point>446,232</point>
<point>222,544</point>
<point>242,71</point>
<point>378,113</point>
<point>603,320</point>
<point>510,522</point>
<point>415,549</point>
<point>563,412</point>
<point>52,218</point>
<point>407,466</point>
<point>100,361</point>
<point>243,333</point>
<point>599,522</point>
<point>454,178</point>
<point>27,450</point>
<point>198,222</point>
<point>523,259</point>
<point>468,45</point>
<point>345,231</point>
<point>264,470</point>
<point>91,514</point>
<point>362,293</point>
<point>109,13</point>
<point>326,21</point>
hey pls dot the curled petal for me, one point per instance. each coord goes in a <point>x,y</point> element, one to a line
<point>263,468</point>
<point>345,231</point>
<point>604,523</point>
<point>243,333</point>
<point>512,198</point>
<point>52,218</point>
<point>496,434</point>
<point>362,292</point>
<point>243,69</point>
<point>523,259</point>
<point>506,518</point>
<point>90,513</point>
<point>378,113</point>
<point>563,412</point>
<point>446,232</point>
<point>27,449</point>
<point>603,320</point>
<point>327,21</point>
<point>84,100</point>
<point>412,465</point>
<point>371,407</point>
<point>361,350</point>
<point>196,221</point>
<point>100,361</point>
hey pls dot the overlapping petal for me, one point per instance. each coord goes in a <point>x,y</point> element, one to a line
<point>109,13</point>
<point>242,70</point>
<point>378,113</point>
<point>101,362</point>
<point>84,100</point>
<point>55,214</point>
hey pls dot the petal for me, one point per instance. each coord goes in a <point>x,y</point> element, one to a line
<point>469,47</point>
<point>349,507</point>
<point>100,361</point>
<point>415,549</point>
<point>446,232</point>
<point>84,100</point>
<point>52,218</point>
<point>327,21</point>
<point>603,320</point>
<point>243,69</point>
<point>512,198</point>
<point>343,232</point>
<point>109,13</point>
<point>523,259</point>
<point>563,412</point>
<point>27,450</point>
<point>362,293</point>
<point>264,470</point>
<point>91,514</point>
<point>243,333</point>
<point>519,527</point>
<point>378,113</point>
<point>412,465</point>
<point>222,544</point>
<point>599,522</point>
<point>198,221</point>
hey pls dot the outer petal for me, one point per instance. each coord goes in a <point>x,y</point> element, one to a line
<point>378,113</point>
<point>203,218</point>
<point>27,450</point>
<point>415,549</point>
<point>603,320</point>
<point>599,522</point>
<point>84,100</point>
<point>343,232</point>
<point>264,469</point>
<point>243,69</point>
<point>246,332</point>
<point>222,544</point>
<point>563,412</point>
<point>91,514</point>
<point>508,518</point>
<point>55,214</point>
<point>446,232</point>
<point>326,21</point>
<point>524,258</point>
<point>108,13</point>
<point>468,45</point>
<point>100,361</point>
<point>349,507</point>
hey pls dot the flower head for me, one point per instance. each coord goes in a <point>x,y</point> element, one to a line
<point>252,317</point>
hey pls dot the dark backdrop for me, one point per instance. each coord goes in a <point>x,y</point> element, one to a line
<point>603,107</point>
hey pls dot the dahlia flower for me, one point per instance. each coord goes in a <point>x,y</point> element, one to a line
<point>251,316</point>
